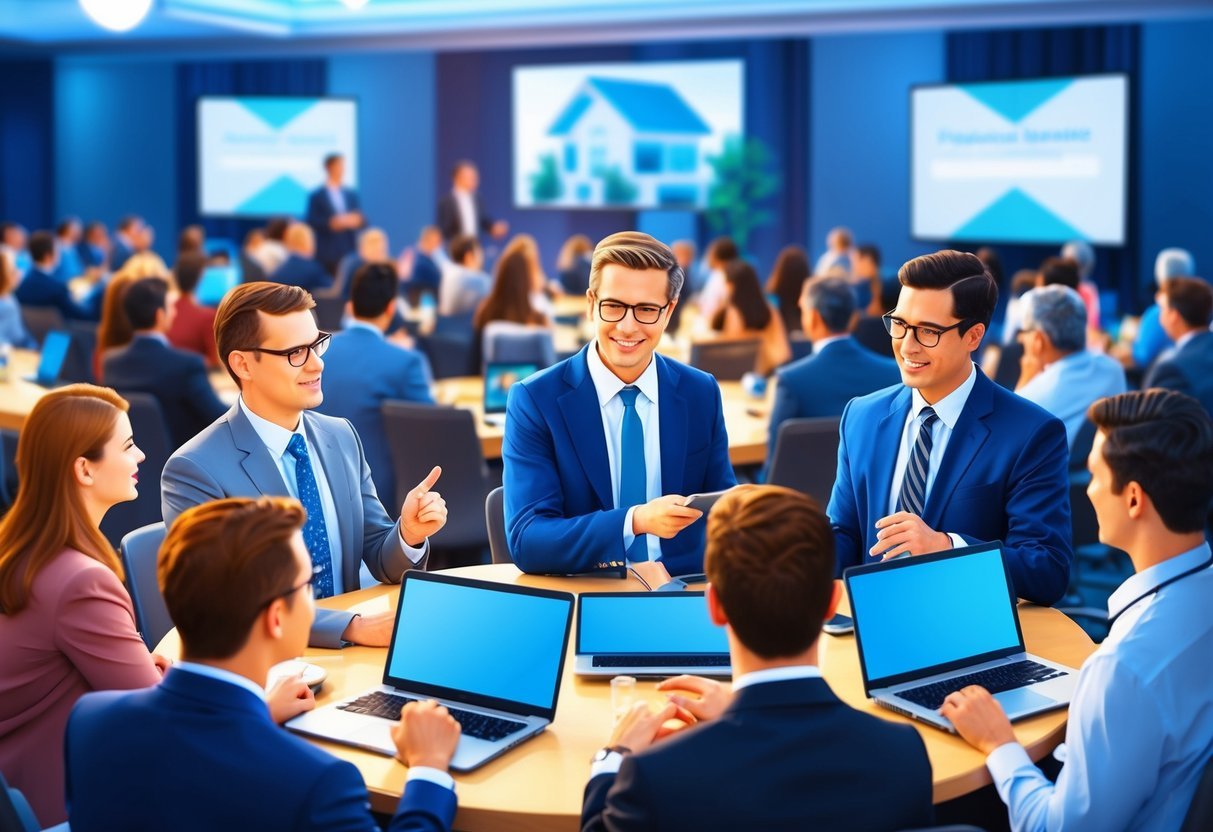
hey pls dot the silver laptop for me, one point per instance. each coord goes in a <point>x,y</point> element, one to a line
<point>930,625</point>
<point>499,377</point>
<point>648,634</point>
<point>491,653</point>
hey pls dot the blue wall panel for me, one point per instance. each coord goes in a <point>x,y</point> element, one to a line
<point>27,170</point>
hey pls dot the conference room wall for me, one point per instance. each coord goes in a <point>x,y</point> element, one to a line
<point>26,162</point>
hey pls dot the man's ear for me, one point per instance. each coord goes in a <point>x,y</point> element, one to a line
<point>973,336</point>
<point>239,362</point>
<point>715,608</point>
<point>1136,500</point>
<point>271,619</point>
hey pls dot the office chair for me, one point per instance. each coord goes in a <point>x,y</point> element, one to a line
<point>152,436</point>
<point>494,517</point>
<point>521,348</point>
<point>449,354</point>
<point>330,310</point>
<point>138,551</point>
<point>78,365</point>
<point>40,320</point>
<point>726,360</point>
<point>806,456</point>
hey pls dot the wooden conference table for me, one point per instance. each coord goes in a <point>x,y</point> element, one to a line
<point>539,784</point>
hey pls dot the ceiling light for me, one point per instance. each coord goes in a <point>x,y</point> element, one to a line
<point>117,15</point>
<point>354,4</point>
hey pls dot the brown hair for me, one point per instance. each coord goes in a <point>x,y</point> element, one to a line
<point>786,281</point>
<point>237,324</point>
<point>1192,298</point>
<point>510,297</point>
<point>8,274</point>
<point>770,559</point>
<point>49,515</point>
<point>221,564</point>
<point>115,329</point>
<point>634,250</point>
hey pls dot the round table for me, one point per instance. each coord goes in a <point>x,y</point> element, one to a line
<point>539,784</point>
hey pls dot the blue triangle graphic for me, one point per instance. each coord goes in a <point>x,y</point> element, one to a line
<point>277,112</point>
<point>1015,100</point>
<point>282,196</point>
<point>1017,217</point>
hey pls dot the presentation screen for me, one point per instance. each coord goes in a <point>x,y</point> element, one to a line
<point>259,156</point>
<point>1040,161</point>
<point>623,135</point>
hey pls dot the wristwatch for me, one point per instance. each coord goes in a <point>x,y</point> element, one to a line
<point>604,753</point>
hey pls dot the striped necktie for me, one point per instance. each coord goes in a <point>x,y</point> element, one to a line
<point>913,496</point>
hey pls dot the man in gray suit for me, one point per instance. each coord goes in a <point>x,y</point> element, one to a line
<point>269,443</point>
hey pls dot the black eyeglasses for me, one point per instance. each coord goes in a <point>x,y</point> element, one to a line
<point>298,356</point>
<point>309,583</point>
<point>928,336</point>
<point>612,311</point>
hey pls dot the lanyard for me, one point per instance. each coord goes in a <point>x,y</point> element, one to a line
<point>1158,588</point>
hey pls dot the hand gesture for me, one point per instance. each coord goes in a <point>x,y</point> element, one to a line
<point>426,735</point>
<point>978,718</point>
<point>903,533</point>
<point>665,516</point>
<point>639,727</point>
<point>711,698</point>
<point>288,698</point>
<point>423,512</point>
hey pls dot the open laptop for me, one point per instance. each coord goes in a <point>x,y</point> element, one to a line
<point>499,377</point>
<point>928,626</point>
<point>648,634</point>
<point>216,282</point>
<point>492,653</point>
<point>54,354</point>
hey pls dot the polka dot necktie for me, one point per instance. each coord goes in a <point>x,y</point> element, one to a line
<point>633,479</point>
<point>315,533</point>
<point>913,497</point>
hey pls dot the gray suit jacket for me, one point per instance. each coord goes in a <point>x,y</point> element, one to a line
<point>228,459</point>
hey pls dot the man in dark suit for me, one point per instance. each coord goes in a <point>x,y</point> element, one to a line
<point>790,753</point>
<point>334,213</point>
<point>949,458</point>
<point>300,267</point>
<point>1185,309</point>
<point>365,368</point>
<point>94,249</point>
<point>148,364</point>
<point>127,241</point>
<point>40,287</point>
<point>578,499</point>
<point>237,581</point>
<point>461,211</point>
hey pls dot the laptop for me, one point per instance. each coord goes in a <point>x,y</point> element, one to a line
<point>928,626</point>
<point>499,377</point>
<point>216,282</point>
<point>492,653</point>
<point>54,354</point>
<point>648,634</point>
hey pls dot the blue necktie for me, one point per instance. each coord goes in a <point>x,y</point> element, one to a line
<point>913,496</point>
<point>315,532</point>
<point>633,479</point>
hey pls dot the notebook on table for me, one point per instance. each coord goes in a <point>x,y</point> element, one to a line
<point>499,377</point>
<point>930,625</point>
<point>492,653</point>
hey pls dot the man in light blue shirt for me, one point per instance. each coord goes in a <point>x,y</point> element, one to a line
<point>1152,339</point>
<point>1141,721</point>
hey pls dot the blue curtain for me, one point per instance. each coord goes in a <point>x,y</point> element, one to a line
<point>27,125</point>
<point>287,77</point>
<point>1003,55</point>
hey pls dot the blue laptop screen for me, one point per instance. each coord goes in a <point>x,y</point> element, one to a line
<point>658,623</point>
<point>54,353</point>
<point>216,282</point>
<point>498,379</point>
<point>487,642</point>
<point>928,613</point>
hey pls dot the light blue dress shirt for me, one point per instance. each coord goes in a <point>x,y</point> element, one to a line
<point>337,198</point>
<point>608,385</point>
<point>1068,386</point>
<point>1141,720</point>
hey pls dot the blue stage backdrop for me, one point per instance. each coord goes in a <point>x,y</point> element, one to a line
<point>27,127</point>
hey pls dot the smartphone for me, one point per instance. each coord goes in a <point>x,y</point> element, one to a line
<point>704,502</point>
<point>839,625</point>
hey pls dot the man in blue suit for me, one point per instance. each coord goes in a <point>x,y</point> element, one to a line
<point>300,267</point>
<point>128,241</point>
<point>365,369</point>
<point>335,214</point>
<point>1185,307</point>
<point>40,287</point>
<point>789,751</point>
<point>270,443</point>
<point>949,458</point>
<point>237,580</point>
<point>581,499</point>
<point>838,370</point>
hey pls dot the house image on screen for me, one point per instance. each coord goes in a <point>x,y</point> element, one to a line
<point>630,142</point>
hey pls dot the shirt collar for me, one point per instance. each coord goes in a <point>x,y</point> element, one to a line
<point>949,408</point>
<point>354,323</point>
<point>155,336</point>
<point>608,385</point>
<point>275,437</point>
<point>822,343</point>
<point>221,675</point>
<point>776,674</point>
<point>1137,586</point>
<point>1185,338</point>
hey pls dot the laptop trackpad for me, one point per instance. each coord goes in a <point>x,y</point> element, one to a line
<point>1023,701</point>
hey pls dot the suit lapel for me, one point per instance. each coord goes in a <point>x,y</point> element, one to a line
<point>673,421</point>
<point>583,419</point>
<point>967,439</point>
<point>884,449</point>
<point>257,463</point>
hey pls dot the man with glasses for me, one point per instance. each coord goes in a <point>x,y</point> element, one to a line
<point>271,443</point>
<point>948,458</point>
<point>601,449</point>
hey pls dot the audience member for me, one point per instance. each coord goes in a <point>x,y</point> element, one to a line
<point>1083,256</point>
<point>580,501</point>
<point>1152,338</point>
<point>251,256</point>
<point>94,249</point>
<point>13,242</point>
<point>839,256</point>
<point>39,287</point>
<point>67,243</point>
<point>66,622</point>
<point>193,326</point>
<point>695,278</point>
<point>127,240</point>
<point>867,281</point>
<point>300,267</point>
<point>461,211</point>
<point>1022,281</point>
<point>509,307</point>
<point>148,364</point>
<point>372,248</point>
<point>363,369</point>
<point>270,443</point>
<point>237,580</point>
<point>1185,307</point>
<point>115,330</point>
<point>870,332</point>
<point>785,284</point>
<point>12,329</point>
<point>272,252</point>
<point>425,275</point>
<point>542,289</point>
<point>573,264</point>
<point>191,240</point>
<point>1140,727</point>
<point>798,757</point>
<point>748,315</point>
<point>334,214</point>
<point>1004,474</point>
<point>715,292</point>
<point>464,281</point>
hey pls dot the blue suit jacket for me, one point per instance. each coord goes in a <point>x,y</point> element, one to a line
<point>175,377</point>
<point>195,753</point>
<point>331,245</point>
<point>560,513</point>
<point>301,272</point>
<point>1189,370</point>
<point>791,755</point>
<point>361,372</point>
<point>120,252</point>
<point>228,459</point>
<point>38,288</point>
<point>1003,477</point>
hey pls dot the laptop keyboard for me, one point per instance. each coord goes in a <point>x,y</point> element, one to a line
<point>995,680</point>
<point>679,660</point>
<point>389,705</point>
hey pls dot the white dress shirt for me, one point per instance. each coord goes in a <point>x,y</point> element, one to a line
<point>337,197</point>
<point>467,212</point>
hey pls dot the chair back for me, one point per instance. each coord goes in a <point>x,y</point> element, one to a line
<point>78,365</point>
<point>520,348</point>
<point>152,436</point>
<point>1007,374</point>
<point>330,310</point>
<point>1081,449</point>
<point>40,320</point>
<point>806,457</point>
<point>450,355</point>
<point>139,550</point>
<point>1200,811</point>
<point>15,812</point>
<point>494,517</point>
<point>726,360</point>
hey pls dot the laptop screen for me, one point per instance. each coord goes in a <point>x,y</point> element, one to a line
<point>647,622</point>
<point>54,353</point>
<point>498,379</point>
<point>930,614</point>
<point>479,642</point>
<point>216,282</point>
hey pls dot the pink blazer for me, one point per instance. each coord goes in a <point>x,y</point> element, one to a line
<point>76,635</point>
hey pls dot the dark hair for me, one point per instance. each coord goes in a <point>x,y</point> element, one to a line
<point>723,249</point>
<point>94,225</point>
<point>330,159</point>
<point>373,289</point>
<point>461,246</point>
<point>143,299</point>
<point>276,228</point>
<point>770,560</point>
<point>1163,441</point>
<point>833,299</point>
<point>786,282</point>
<point>65,224</point>
<point>191,238</point>
<point>237,324</point>
<point>974,292</point>
<point>221,564</point>
<point>1059,271</point>
<point>188,270</point>
<point>128,221</point>
<point>869,251</point>
<point>634,250</point>
<point>510,297</point>
<point>746,297</point>
<point>993,262</point>
<point>41,245</point>
<point>1192,298</point>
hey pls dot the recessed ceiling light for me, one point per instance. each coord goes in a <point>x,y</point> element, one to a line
<point>117,15</point>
